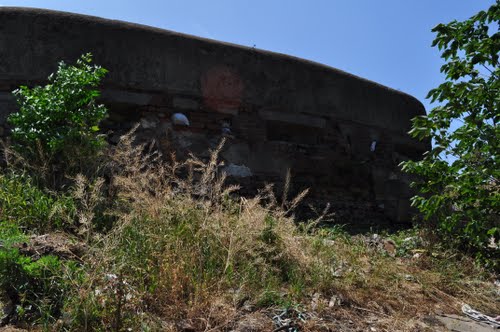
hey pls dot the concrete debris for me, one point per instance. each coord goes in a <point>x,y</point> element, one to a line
<point>289,320</point>
<point>409,277</point>
<point>316,300</point>
<point>335,301</point>
<point>377,242</point>
<point>240,171</point>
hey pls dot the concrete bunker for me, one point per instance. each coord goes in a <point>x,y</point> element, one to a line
<point>341,135</point>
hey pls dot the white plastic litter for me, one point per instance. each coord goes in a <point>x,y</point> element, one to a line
<point>373,146</point>
<point>180,119</point>
<point>480,317</point>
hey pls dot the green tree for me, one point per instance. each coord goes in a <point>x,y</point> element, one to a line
<point>63,112</point>
<point>459,186</point>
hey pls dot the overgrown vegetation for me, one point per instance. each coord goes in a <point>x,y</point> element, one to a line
<point>56,128</point>
<point>460,175</point>
<point>63,112</point>
<point>143,242</point>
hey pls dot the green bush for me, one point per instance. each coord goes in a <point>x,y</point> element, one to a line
<point>459,177</point>
<point>63,112</point>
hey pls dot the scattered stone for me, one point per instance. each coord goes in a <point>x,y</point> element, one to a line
<point>248,307</point>
<point>315,301</point>
<point>417,255</point>
<point>410,239</point>
<point>409,277</point>
<point>493,243</point>
<point>335,301</point>
<point>377,242</point>
<point>430,323</point>
<point>337,273</point>
<point>329,242</point>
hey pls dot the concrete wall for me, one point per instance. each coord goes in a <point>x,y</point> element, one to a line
<point>283,112</point>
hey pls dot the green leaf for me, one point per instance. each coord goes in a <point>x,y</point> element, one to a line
<point>461,197</point>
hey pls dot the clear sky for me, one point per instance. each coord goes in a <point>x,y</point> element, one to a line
<point>387,41</point>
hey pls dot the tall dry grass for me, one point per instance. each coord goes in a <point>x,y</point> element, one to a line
<point>185,248</point>
<point>182,240</point>
<point>171,247</point>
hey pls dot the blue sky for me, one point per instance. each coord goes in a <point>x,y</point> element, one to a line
<point>387,41</point>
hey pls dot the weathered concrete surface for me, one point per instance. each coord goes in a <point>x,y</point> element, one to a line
<point>463,324</point>
<point>280,112</point>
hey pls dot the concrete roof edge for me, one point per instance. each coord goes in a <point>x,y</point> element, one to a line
<point>130,25</point>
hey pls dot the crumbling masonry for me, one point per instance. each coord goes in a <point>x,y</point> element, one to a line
<point>340,135</point>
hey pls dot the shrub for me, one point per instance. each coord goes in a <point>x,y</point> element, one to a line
<point>460,176</point>
<point>56,130</point>
<point>62,112</point>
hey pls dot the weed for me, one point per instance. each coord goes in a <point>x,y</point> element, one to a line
<point>30,208</point>
<point>36,287</point>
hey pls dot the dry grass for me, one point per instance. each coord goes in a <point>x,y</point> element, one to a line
<point>182,239</point>
<point>186,253</point>
<point>194,253</point>
<point>397,292</point>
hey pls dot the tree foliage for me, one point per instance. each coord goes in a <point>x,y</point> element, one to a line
<point>63,112</point>
<point>459,187</point>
